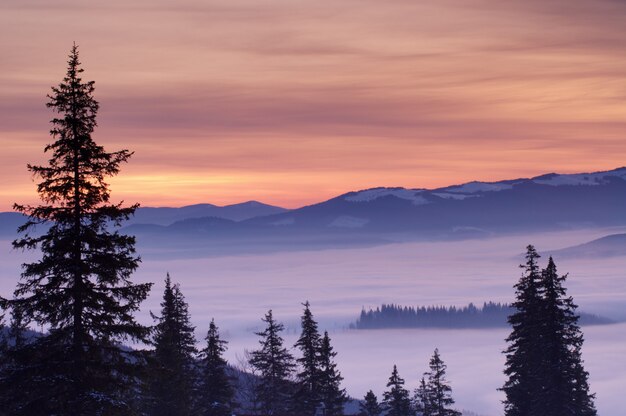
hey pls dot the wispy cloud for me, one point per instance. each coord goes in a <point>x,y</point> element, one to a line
<point>402,92</point>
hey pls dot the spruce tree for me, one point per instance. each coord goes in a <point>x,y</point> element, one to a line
<point>307,395</point>
<point>80,290</point>
<point>171,367</point>
<point>438,391</point>
<point>370,406</point>
<point>523,355</point>
<point>423,399</point>
<point>275,366</point>
<point>396,400</point>
<point>544,363</point>
<point>333,397</point>
<point>565,382</point>
<point>216,393</point>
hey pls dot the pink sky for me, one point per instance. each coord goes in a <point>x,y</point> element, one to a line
<point>293,101</point>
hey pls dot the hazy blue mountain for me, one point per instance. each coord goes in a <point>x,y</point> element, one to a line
<point>163,216</point>
<point>236,212</point>
<point>383,215</point>
<point>477,208</point>
<point>609,246</point>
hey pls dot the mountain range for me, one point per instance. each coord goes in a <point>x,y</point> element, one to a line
<point>383,215</point>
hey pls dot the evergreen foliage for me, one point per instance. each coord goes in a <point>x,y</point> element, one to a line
<point>423,399</point>
<point>171,365</point>
<point>438,392</point>
<point>489,315</point>
<point>523,356</point>
<point>275,366</point>
<point>544,364</point>
<point>396,316</point>
<point>566,389</point>
<point>370,406</point>
<point>308,389</point>
<point>80,290</point>
<point>216,393</point>
<point>396,399</point>
<point>333,396</point>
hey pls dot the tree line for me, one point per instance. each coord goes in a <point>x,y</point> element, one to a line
<point>395,316</point>
<point>81,293</point>
<point>489,315</point>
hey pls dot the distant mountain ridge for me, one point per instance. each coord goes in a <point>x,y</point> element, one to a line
<point>608,246</point>
<point>234,212</point>
<point>384,215</point>
<point>165,216</point>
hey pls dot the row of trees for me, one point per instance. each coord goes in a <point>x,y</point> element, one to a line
<point>180,380</point>
<point>284,385</point>
<point>433,397</point>
<point>395,316</point>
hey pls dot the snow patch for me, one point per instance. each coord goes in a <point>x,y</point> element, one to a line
<point>579,179</point>
<point>473,187</point>
<point>449,195</point>
<point>346,221</point>
<point>412,195</point>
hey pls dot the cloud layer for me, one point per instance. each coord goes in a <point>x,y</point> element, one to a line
<point>294,101</point>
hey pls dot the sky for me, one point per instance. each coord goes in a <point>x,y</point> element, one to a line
<point>291,102</point>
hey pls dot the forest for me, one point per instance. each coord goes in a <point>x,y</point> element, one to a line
<point>489,315</point>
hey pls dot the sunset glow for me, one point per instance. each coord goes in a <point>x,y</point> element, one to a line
<point>291,102</point>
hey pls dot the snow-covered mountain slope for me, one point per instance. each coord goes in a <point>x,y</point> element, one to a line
<point>471,209</point>
<point>383,215</point>
<point>419,196</point>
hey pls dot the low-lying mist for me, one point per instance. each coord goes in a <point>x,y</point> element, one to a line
<point>238,290</point>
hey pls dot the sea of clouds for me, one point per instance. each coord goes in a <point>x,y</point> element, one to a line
<point>238,290</point>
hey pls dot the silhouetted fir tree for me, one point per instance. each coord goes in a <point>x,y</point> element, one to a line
<point>308,394</point>
<point>396,401</point>
<point>370,406</point>
<point>523,355</point>
<point>544,363</point>
<point>438,391</point>
<point>423,400</point>
<point>275,366</point>
<point>171,366</point>
<point>333,397</point>
<point>80,291</point>
<point>216,393</point>
<point>565,389</point>
<point>582,401</point>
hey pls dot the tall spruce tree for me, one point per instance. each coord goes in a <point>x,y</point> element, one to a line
<point>216,394</point>
<point>80,290</point>
<point>370,406</point>
<point>275,366</point>
<point>544,363</point>
<point>523,355</point>
<point>438,390</point>
<point>565,387</point>
<point>171,366</point>
<point>396,401</point>
<point>333,396</point>
<point>308,393</point>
